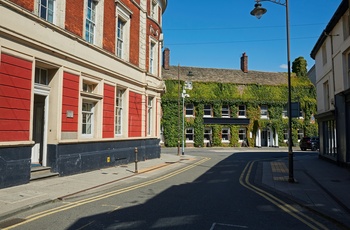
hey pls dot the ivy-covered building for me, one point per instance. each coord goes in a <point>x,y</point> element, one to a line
<point>227,107</point>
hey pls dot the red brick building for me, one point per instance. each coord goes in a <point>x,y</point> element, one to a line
<point>80,84</point>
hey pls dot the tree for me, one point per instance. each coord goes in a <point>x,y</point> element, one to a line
<point>299,67</point>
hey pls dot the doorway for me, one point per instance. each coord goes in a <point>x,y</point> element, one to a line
<point>38,150</point>
<point>266,137</point>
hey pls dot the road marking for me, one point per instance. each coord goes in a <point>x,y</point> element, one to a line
<point>227,225</point>
<point>244,180</point>
<point>68,206</point>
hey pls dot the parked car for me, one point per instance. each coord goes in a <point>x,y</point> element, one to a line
<point>312,143</point>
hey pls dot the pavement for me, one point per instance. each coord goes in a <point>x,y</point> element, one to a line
<point>320,186</point>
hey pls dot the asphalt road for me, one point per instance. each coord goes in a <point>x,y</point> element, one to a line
<point>216,192</point>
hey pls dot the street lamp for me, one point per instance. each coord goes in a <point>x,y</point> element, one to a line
<point>187,85</point>
<point>258,12</point>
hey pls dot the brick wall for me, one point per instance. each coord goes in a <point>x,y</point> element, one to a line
<point>109,26</point>
<point>134,33</point>
<point>75,17</point>
<point>27,4</point>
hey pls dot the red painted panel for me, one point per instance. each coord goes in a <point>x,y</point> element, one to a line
<point>9,59</point>
<point>14,103</point>
<point>108,108</point>
<point>15,72</point>
<point>70,101</point>
<point>72,93</point>
<point>14,135</point>
<point>157,108</point>
<point>14,92</point>
<point>108,111</point>
<point>14,114</point>
<point>146,115</point>
<point>10,80</point>
<point>15,98</point>
<point>8,125</point>
<point>135,112</point>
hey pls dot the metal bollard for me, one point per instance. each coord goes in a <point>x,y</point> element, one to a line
<point>136,151</point>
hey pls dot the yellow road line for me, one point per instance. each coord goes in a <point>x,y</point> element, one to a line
<point>279,203</point>
<point>105,195</point>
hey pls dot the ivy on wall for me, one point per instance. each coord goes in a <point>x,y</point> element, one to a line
<point>233,95</point>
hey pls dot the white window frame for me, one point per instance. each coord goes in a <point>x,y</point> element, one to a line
<point>91,122</point>
<point>89,87</point>
<point>153,51</point>
<point>150,103</point>
<point>93,26</point>
<point>41,76</point>
<point>119,110</point>
<point>120,38</point>
<point>285,111</point>
<point>154,10</point>
<point>123,15</point>
<point>90,21</point>
<point>225,132</point>
<point>189,135</point>
<point>225,111</point>
<point>264,114</point>
<point>242,111</point>
<point>208,132</point>
<point>242,134</point>
<point>91,92</point>
<point>58,11</point>
<point>189,107</point>
<point>207,109</point>
<point>50,9</point>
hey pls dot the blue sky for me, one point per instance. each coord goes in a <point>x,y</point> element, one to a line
<point>215,34</point>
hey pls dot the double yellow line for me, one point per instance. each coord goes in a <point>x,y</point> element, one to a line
<point>105,195</point>
<point>244,180</point>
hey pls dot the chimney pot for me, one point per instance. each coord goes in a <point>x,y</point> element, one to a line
<point>166,58</point>
<point>244,63</point>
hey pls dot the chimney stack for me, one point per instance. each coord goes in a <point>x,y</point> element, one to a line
<point>244,63</point>
<point>166,58</point>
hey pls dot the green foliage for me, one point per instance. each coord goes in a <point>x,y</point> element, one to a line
<point>299,67</point>
<point>219,94</point>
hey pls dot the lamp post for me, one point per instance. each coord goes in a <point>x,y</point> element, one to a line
<point>187,85</point>
<point>178,109</point>
<point>258,12</point>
